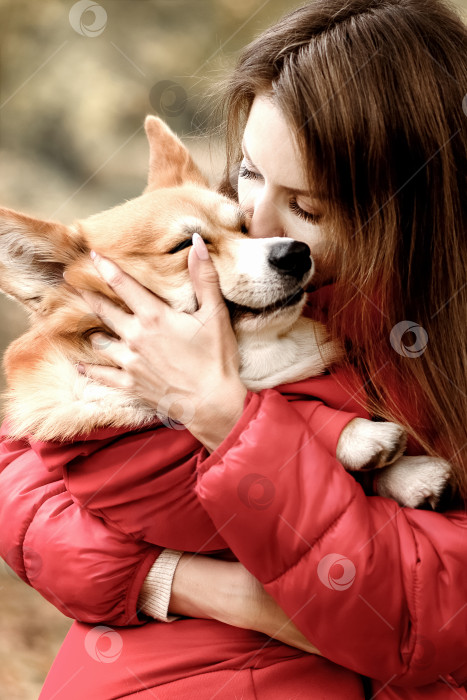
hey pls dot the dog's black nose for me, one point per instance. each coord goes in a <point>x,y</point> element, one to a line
<point>291,258</point>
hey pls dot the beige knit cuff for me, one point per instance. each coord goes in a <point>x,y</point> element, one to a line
<point>154,597</point>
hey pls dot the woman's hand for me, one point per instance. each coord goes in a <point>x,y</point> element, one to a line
<point>226,591</point>
<point>184,365</point>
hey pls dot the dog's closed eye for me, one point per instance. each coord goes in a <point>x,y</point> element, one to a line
<point>181,246</point>
<point>184,244</point>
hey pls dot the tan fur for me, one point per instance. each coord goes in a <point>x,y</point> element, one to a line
<point>47,399</point>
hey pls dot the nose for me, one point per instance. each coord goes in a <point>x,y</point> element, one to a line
<point>291,258</point>
<point>265,217</point>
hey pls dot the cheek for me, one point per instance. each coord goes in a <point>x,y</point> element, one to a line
<point>313,236</point>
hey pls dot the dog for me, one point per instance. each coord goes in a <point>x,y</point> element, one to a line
<point>262,280</point>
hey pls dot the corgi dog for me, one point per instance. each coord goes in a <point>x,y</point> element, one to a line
<point>262,280</point>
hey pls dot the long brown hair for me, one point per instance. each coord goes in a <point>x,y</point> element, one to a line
<point>375,93</point>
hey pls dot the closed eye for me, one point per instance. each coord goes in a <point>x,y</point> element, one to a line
<point>308,216</point>
<point>181,246</point>
<point>247,173</point>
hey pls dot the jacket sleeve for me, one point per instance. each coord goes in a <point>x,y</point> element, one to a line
<point>377,588</point>
<point>84,567</point>
<point>141,481</point>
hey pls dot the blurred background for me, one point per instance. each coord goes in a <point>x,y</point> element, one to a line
<point>76,80</point>
<point>74,91</point>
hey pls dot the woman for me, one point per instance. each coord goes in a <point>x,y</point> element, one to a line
<point>354,142</point>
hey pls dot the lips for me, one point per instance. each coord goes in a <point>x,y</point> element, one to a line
<point>237,310</point>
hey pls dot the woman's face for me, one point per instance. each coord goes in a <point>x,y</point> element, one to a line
<point>272,185</point>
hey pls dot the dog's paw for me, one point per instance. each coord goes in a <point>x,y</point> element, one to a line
<point>364,444</point>
<point>413,481</point>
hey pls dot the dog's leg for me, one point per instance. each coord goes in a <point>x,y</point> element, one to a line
<point>364,444</point>
<point>412,481</point>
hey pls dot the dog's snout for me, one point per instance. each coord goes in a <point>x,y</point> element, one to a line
<point>291,258</point>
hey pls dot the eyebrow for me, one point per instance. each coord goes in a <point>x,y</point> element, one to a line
<point>304,193</point>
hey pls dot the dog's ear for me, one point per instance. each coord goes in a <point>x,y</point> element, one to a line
<point>170,163</point>
<point>33,256</point>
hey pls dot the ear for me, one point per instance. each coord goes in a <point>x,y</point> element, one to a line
<point>33,256</point>
<point>170,163</point>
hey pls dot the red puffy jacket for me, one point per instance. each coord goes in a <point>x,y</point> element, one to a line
<point>378,589</point>
<point>138,482</point>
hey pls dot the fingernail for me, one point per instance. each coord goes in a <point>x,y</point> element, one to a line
<point>80,368</point>
<point>200,247</point>
<point>94,255</point>
<point>105,267</point>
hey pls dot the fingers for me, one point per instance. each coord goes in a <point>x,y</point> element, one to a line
<point>139,299</point>
<point>116,352</point>
<point>204,276</point>
<point>113,350</point>
<point>147,305</point>
<point>112,315</point>
<point>110,376</point>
